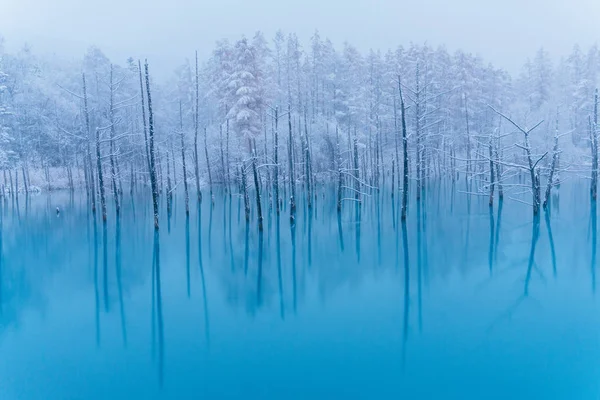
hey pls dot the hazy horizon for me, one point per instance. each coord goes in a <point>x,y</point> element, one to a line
<point>169,32</point>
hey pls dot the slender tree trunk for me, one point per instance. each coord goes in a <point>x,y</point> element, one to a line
<point>245,192</point>
<point>100,175</point>
<point>555,153</point>
<point>257,189</point>
<point>276,151</point>
<point>92,184</point>
<point>491,202</point>
<point>185,184</point>
<point>356,173</point>
<point>25,186</point>
<point>153,182</point>
<point>113,172</point>
<point>594,148</point>
<point>208,166</point>
<point>339,166</point>
<point>146,147</point>
<point>405,153</point>
<point>169,189</point>
<point>196,116</point>
<point>291,163</point>
<point>308,164</point>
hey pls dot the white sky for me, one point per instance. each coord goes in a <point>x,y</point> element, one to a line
<point>505,32</point>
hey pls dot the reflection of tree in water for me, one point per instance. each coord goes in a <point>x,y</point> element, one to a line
<point>70,247</point>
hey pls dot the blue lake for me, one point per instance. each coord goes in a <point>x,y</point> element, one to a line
<point>459,303</point>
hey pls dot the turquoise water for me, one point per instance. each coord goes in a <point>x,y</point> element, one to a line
<point>462,304</point>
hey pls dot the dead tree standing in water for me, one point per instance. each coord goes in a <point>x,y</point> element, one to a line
<point>153,182</point>
<point>196,115</point>
<point>185,184</point>
<point>208,166</point>
<point>405,153</point>
<point>555,153</point>
<point>88,160</point>
<point>291,163</point>
<point>100,175</point>
<point>257,189</point>
<point>113,173</point>
<point>593,128</point>
<point>534,173</point>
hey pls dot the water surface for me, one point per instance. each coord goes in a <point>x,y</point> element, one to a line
<point>459,302</point>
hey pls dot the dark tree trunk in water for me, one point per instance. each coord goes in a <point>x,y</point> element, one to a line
<point>339,166</point>
<point>113,173</point>
<point>291,163</point>
<point>100,175</point>
<point>169,189</point>
<point>25,184</point>
<point>491,202</point>
<point>257,189</point>
<point>356,173</point>
<point>594,148</point>
<point>276,151</point>
<point>153,182</point>
<point>307,160</point>
<point>553,166</point>
<point>91,183</point>
<point>144,119</point>
<point>198,191</point>
<point>185,184</point>
<point>208,166</point>
<point>405,154</point>
<point>245,192</point>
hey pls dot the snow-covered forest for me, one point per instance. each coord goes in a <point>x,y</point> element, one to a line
<point>306,113</point>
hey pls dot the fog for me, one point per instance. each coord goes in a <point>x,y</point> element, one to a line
<point>504,32</point>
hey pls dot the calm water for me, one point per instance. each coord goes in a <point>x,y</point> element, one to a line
<point>463,304</point>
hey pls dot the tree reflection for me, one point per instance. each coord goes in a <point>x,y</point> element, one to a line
<point>535,234</point>
<point>551,240</point>
<point>159,310</point>
<point>202,277</point>
<point>187,253</point>
<point>119,283</point>
<point>406,292</point>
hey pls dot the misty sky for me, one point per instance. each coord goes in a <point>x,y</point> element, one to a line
<point>505,32</point>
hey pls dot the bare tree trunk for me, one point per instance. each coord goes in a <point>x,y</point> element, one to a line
<point>418,134</point>
<point>151,149</point>
<point>594,148</point>
<point>245,191</point>
<point>196,113</point>
<point>25,184</point>
<point>173,161</point>
<point>405,153</point>
<point>553,166</point>
<point>257,189</point>
<point>534,173</point>
<point>339,166</point>
<point>227,156</point>
<point>185,184</point>
<point>308,164</point>
<point>276,151</point>
<point>208,167</point>
<point>356,173</point>
<point>144,120</point>
<point>222,151</point>
<point>100,175</point>
<point>113,172</point>
<point>91,183</point>
<point>12,188</point>
<point>291,163</point>
<point>499,174</point>
<point>169,188</point>
<point>491,202</point>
